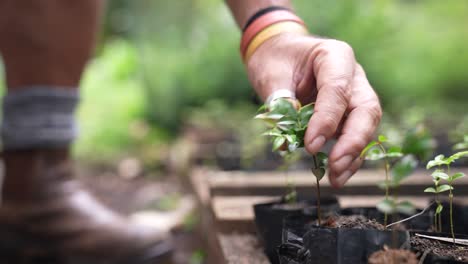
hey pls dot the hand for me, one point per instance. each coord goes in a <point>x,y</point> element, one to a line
<point>324,71</point>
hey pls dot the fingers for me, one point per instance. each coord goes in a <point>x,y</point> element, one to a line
<point>358,130</point>
<point>334,66</point>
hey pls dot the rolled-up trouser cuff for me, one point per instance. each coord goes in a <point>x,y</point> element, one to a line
<point>39,117</point>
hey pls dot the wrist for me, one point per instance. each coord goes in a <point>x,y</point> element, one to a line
<point>242,10</point>
<point>268,25</point>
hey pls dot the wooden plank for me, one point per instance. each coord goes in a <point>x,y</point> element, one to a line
<point>273,183</point>
<point>207,228</point>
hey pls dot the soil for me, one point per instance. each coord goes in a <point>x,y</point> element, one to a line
<point>393,256</point>
<point>443,249</point>
<point>353,221</point>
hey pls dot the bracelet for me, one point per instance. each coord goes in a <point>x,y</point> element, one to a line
<point>262,12</point>
<point>271,31</point>
<point>264,21</point>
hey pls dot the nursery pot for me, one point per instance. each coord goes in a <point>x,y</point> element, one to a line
<point>269,219</point>
<point>433,256</point>
<point>338,245</point>
<point>460,217</point>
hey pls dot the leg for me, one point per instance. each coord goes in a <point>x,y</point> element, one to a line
<point>45,46</point>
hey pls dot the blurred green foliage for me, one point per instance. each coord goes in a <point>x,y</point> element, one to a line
<point>158,60</point>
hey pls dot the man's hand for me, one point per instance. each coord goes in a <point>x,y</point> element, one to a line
<point>325,71</point>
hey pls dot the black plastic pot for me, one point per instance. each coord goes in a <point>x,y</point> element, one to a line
<point>435,259</point>
<point>269,219</point>
<point>460,218</point>
<point>422,222</point>
<point>337,245</point>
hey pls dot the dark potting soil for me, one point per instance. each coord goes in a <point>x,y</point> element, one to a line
<point>393,256</point>
<point>353,221</point>
<point>442,249</point>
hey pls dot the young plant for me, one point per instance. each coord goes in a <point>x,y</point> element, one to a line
<point>397,168</point>
<point>438,188</point>
<point>287,127</point>
<point>443,173</point>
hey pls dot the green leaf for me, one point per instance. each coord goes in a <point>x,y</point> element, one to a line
<point>419,142</point>
<point>443,188</point>
<point>272,133</point>
<point>394,152</point>
<point>439,174</point>
<point>366,149</point>
<point>403,168</point>
<point>458,155</point>
<point>456,176</point>
<point>382,138</point>
<point>394,149</point>
<point>386,206</point>
<point>405,207</point>
<point>318,173</point>
<point>269,116</point>
<point>430,190</point>
<point>284,107</point>
<point>439,209</point>
<point>319,165</point>
<point>437,161</point>
<point>375,154</point>
<point>305,113</point>
<point>262,108</point>
<point>286,123</point>
<point>278,142</point>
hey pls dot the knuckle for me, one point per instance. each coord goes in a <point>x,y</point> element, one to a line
<point>333,44</point>
<point>375,111</point>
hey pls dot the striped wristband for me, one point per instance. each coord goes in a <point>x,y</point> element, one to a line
<point>266,26</point>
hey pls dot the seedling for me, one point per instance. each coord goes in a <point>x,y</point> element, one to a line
<point>287,127</point>
<point>438,188</point>
<point>399,167</point>
<point>443,173</point>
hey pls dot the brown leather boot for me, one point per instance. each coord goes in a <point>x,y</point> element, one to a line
<point>46,214</point>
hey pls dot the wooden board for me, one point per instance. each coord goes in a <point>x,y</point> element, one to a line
<point>227,198</point>
<point>273,183</point>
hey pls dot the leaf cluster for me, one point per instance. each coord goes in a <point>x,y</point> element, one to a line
<point>390,206</point>
<point>400,165</point>
<point>287,125</point>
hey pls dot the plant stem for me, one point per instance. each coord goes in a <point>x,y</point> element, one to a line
<point>451,204</point>
<point>319,214</point>
<point>387,168</point>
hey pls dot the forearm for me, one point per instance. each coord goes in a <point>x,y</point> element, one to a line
<point>242,10</point>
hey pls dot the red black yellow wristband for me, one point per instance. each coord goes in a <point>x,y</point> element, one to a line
<point>266,26</point>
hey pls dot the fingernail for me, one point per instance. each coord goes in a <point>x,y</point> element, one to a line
<point>317,144</point>
<point>343,163</point>
<point>343,178</point>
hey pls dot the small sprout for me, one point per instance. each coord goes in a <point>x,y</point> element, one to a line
<point>442,173</point>
<point>287,130</point>
<point>397,168</point>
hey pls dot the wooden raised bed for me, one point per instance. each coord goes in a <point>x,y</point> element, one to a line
<point>226,200</point>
